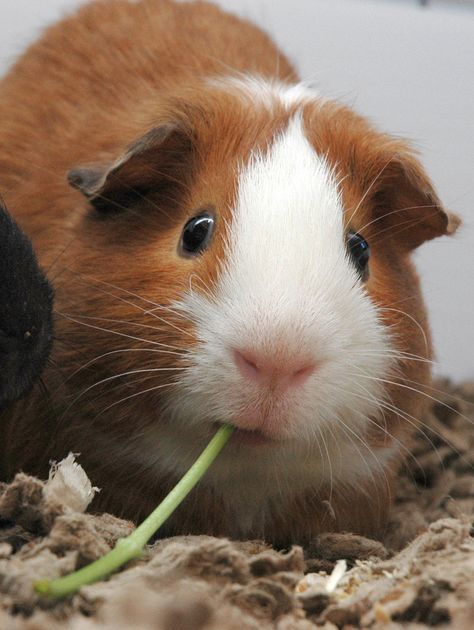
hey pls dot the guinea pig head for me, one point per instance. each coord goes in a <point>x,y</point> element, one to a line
<point>262,237</point>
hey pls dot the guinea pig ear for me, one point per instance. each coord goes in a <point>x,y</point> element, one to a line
<point>407,204</point>
<point>156,161</point>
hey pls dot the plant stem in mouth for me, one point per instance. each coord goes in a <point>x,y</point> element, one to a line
<point>132,546</point>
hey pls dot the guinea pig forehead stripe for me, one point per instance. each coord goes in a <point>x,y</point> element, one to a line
<point>288,211</point>
<point>256,89</point>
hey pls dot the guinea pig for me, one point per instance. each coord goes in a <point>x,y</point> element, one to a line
<point>26,299</point>
<point>230,247</point>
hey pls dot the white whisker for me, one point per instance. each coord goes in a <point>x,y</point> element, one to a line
<point>410,317</point>
<point>120,351</point>
<point>116,376</point>
<point>387,214</point>
<point>372,184</point>
<point>127,323</point>
<point>118,402</point>
<point>114,332</point>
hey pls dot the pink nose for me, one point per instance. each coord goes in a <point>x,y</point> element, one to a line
<point>273,372</point>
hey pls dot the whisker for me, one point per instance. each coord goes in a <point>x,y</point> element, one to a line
<point>119,351</point>
<point>128,323</point>
<point>206,289</point>
<point>372,184</point>
<point>328,457</point>
<point>387,214</point>
<point>120,386</point>
<point>399,443</point>
<point>447,394</point>
<point>409,224</point>
<point>125,301</point>
<point>161,319</point>
<point>174,311</point>
<point>346,428</point>
<point>117,376</point>
<point>411,318</point>
<point>108,330</point>
<point>416,423</point>
<point>118,402</point>
<point>418,391</point>
<point>143,310</point>
<point>398,355</point>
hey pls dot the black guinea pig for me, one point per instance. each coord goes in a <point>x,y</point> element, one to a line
<point>26,318</point>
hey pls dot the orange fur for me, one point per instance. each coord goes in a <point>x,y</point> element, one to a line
<point>84,93</point>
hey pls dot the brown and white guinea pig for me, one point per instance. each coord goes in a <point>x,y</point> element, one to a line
<point>230,247</point>
<point>26,313</point>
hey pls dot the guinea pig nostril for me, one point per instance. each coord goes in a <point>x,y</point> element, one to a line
<point>273,372</point>
<point>300,375</point>
<point>246,364</point>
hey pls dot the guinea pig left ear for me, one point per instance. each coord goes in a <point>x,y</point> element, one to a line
<point>407,203</point>
<point>155,161</point>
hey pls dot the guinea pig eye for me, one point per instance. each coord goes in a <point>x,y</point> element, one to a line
<point>360,252</point>
<point>197,234</point>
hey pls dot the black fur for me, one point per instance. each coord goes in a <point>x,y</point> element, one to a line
<point>26,320</point>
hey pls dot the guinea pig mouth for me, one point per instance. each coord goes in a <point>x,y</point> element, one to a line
<point>249,437</point>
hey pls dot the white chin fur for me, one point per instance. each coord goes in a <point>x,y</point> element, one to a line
<point>286,285</point>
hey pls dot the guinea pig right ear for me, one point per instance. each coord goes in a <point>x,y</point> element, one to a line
<point>157,161</point>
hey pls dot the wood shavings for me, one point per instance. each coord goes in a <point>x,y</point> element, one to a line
<point>336,576</point>
<point>69,486</point>
<point>422,576</point>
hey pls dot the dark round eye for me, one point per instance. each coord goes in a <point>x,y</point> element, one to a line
<point>360,252</point>
<point>197,233</point>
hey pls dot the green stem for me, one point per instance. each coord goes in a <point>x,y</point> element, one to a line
<point>132,546</point>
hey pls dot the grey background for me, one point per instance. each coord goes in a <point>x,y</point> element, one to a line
<point>411,70</point>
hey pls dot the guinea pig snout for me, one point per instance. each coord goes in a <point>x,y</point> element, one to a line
<point>274,372</point>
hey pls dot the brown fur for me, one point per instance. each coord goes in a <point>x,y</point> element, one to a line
<point>93,86</point>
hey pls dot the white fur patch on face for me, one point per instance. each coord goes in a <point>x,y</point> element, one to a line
<point>286,288</point>
<point>258,90</point>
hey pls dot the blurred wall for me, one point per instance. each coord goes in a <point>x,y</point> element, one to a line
<point>409,69</point>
